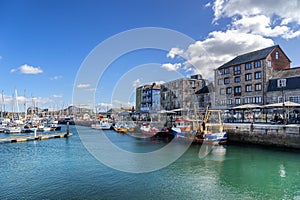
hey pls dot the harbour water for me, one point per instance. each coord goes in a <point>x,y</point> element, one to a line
<point>64,169</point>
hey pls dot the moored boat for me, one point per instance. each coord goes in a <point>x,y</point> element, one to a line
<point>120,129</point>
<point>180,127</point>
<point>146,129</point>
<point>213,128</point>
<point>55,127</point>
<point>12,129</point>
<point>103,124</point>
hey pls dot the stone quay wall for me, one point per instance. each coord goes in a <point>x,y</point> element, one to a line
<point>287,136</point>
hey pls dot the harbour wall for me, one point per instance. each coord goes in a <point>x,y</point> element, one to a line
<point>287,136</point>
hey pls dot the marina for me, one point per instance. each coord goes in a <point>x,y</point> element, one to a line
<point>227,172</point>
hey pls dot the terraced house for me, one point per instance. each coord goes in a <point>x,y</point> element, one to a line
<point>245,78</point>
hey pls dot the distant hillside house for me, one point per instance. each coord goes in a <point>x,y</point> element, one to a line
<point>244,79</point>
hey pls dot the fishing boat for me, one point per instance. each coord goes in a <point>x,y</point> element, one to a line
<point>180,127</point>
<point>212,128</point>
<point>146,129</point>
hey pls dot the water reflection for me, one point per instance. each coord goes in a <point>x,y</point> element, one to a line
<point>282,171</point>
<point>212,152</point>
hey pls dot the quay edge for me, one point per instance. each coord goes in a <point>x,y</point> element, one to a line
<point>286,136</point>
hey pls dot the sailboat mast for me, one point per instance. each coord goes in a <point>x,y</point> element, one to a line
<point>2,105</point>
<point>25,105</point>
<point>17,102</point>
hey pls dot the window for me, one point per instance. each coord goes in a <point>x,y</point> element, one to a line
<point>248,66</point>
<point>220,81</point>
<point>248,77</point>
<point>220,71</point>
<point>258,87</point>
<point>257,99</point>
<point>228,90</point>
<point>237,70</point>
<point>276,55</point>
<point>281,83</point>
<point>248,88</point>
<point>176,84</point>
<point>257,75</point>
<point>294,99</point>
<point>223,102</point>
<point>237,79</point>
<point>280,99</point>
<point>226,71</point>
<point>229,101</point>
<point>237,101</point>
<point>222,91</point>
<point>237,91</point>
<point>226,80</point>
<point>248,100</point>
<point>192,83</point>
<point>269,63</point>
<point>176,94</point>
<point>257,64</point>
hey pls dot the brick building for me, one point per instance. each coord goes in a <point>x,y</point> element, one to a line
<point>244,79</point>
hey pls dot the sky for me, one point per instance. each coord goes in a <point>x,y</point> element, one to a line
<point>46,45</point>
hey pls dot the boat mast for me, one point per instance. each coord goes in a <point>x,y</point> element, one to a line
<point>3,105</point>
<point>17,103</point>
<point>25,105</point>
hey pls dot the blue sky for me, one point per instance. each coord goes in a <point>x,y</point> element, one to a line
<point>44,43</point>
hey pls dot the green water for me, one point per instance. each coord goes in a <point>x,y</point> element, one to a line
<point>64,169</point>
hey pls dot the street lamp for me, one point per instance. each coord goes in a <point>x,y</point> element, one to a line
<point>282,84</point>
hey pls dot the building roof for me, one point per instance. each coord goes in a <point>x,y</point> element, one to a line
<point>206,89</point>
<point>293,71</point>
<point>248,57</point>
<point>292,83</point>
<point>203,90</point>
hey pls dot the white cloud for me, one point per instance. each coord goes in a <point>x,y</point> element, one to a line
<point>171,67</point>
<point>56,77</point>
<point>13,70</point>
<point>119,103</point>
<point>175,52</point>
<point>207,5</point>
<point>136,83</point>
<point>103,107</point>
<point>219,48</point>
<point>159,82</point>
<point>83,85</point>
<point>43,101</point>
<point>252,25</point>
<point>267,18</point>
<point>27,69</point>
<point>57,96</point>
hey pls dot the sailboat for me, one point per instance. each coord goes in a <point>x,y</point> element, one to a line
<point>15,125</point>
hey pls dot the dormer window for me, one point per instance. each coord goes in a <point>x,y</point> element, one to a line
<point>281,83</point>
